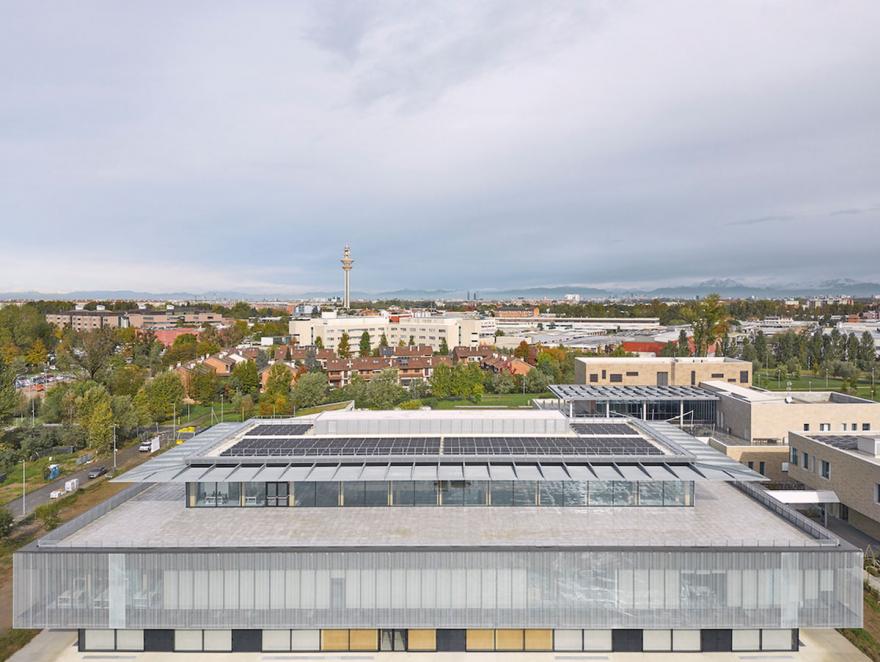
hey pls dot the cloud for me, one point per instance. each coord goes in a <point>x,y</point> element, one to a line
<point>454,145</point>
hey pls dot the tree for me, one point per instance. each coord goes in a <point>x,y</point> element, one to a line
<point>384,391</point>
<point>279,379</point>
<point>709,320</point>
<point>319,343</point>
<point>444,348</point>
<point>412,341</point>
<point>683,346</point>
<point>342,347</point>
<point>867,352</point>
<point>37,354</point>
<point>441,382</point>
<point>760,345</point>
<point>245,378</point>
<point>6,523</point>
<point>157,399</point>
<point>241,310</point>
<point>536,381</point>
<point>383,341</point>
<point>90,352</point>
<point>8,394</point>
<point>364,347</point>
<point>126,379</point>
<point>310,389</point>
<point>100,427</point>
<point>203,384</point>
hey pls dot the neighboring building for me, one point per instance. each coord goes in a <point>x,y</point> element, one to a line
<point>439,531</point>
<point>767,459</point>
<point>88,320</point>
<point>168,336</point>
<point>764,417</point>
<point>340,372</point>
<point>512,366</point>
<point>847,464</point>
<point>671,371</point>
<point>686,405</point>
<point>427,330</point>
<point>222,365</point>
<point>517,313</point>
<point>165,319</point>
<point>472,354</point>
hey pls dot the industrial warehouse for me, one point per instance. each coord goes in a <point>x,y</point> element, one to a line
<point>514,530</point>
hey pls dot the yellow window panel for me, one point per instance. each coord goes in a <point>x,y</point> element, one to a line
<point>508,640</point>
<point>363,640</point>
<point>480,640</point>
<point>539,640</point>
<point>334,640</point>
<point>422,640</point>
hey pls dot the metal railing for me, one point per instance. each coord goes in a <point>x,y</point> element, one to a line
<point>805,524</point>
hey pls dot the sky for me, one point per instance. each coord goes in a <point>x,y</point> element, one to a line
<point>217,145</point>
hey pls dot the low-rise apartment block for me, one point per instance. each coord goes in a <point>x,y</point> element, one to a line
<point>88,320</point>
<point>670,371</point>
<point>427,330</point>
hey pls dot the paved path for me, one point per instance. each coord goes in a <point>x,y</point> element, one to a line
<point>47,646</point>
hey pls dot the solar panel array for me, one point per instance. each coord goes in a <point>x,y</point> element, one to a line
<point>618,429</point>
<point>843,442</point>
<point>317,446</point>
<point>548,446</point>
<point>288,430</point>
<point>449,446</point>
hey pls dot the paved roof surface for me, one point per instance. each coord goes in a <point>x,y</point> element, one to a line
<point>722,516</point>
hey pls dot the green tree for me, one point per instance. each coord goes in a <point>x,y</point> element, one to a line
<point>89,352</point>
<point>204,384</point>
<point>682,346</point>
<point>245,378</point>
<point>536,381</point>
<point>310,389</point>
<point>412,341</point>
<point>384,391</point>
<point>709,320</point>
<point>100,427</point>
<point>6,523</point>
<point>364,347</point>
<point>126,379</point>
<point>8,394</point>
<point>157,400</point>
<point>867,352</point>
<point>279,378</point>
<point>383,341</point>
<point>441,382</point>
<point>319,343</point>
<point>342,348</point>
<point>444,348</point>
<point>124,414</point>
<point>522,350</point>
<point>37,354</point>
<point>241,311</point>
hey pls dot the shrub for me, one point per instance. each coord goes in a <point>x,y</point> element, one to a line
<point>6,522</point>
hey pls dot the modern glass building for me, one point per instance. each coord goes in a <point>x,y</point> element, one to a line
<point>439,531</point>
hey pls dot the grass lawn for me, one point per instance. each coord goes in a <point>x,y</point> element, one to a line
<point>10,489</point>
<point>811,382</point>
<point>867,639</point>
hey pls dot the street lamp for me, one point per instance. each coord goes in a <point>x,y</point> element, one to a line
<point>114,448</point>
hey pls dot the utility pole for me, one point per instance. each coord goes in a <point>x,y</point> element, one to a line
<point>23,490</point>
<point>221,408</point>
<point>114,448</point>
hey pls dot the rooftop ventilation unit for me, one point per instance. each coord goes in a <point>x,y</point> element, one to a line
<point>869,445</point>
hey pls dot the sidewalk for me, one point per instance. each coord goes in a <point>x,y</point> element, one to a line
<point>46,646</point>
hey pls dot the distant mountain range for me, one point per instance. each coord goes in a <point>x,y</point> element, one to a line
<point>725,287</point>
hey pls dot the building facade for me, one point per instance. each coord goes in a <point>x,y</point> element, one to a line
<point>846,463</point>
<point>439,531</point>
<point>88,320</point>
<point>671,371</point>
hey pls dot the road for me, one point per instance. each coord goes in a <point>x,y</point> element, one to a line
<point>40,496</point>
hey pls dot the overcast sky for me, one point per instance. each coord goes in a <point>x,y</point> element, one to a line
<point>239,145</point>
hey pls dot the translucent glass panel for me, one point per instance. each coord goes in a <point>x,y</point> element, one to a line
<point>446,493</point>
<point>669,589</point>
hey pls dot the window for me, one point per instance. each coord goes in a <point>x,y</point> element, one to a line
<point>751,465</point>
<point>744,376</point>
<point>594,377</point>
<point>866,426</point>
<point>824,427</point>
<point>616,377</point>
<point>717,375</point>
<point>255,494</point>
<point>826,469</point>
<point>762,468</point>
<point>693,377</point>
<point>806,427</point>
<point>794,456</point>
<point>877,493</point>
<point>806,460</point>
<point>854,427</point>
<point>603,374</point>
<point>632,373</point>
<point>327,495</point>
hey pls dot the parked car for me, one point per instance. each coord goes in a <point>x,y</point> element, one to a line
<point>97,471</point>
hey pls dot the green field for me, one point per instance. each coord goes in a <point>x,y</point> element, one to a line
<point>777,381</point>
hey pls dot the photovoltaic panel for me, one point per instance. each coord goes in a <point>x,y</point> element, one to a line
<point>317,446</point>
<point>548,446</point>
<point>281,430</point>
<point>617,429</point>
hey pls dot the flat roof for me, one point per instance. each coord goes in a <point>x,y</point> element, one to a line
<point>658,359</point>
<point>757,396</point>
<point>633,393</point>
<point>722,516</point>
